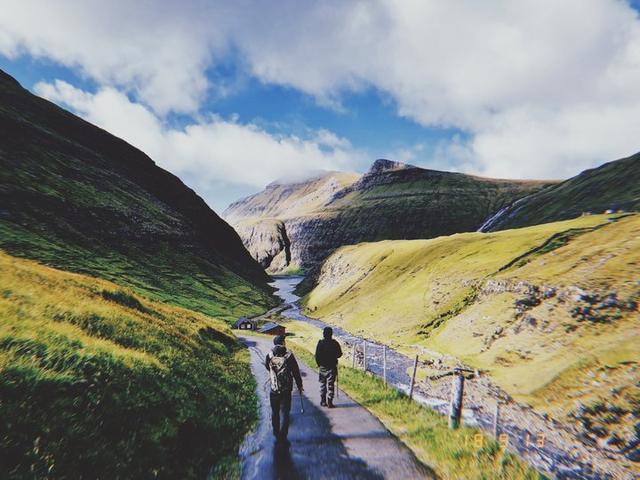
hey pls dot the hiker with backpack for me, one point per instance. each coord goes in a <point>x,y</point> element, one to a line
<point>328,352</point>
<point>283,370</point>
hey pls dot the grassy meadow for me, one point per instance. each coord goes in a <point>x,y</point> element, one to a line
<point>465,453</point>
<point>162,272</point>
<point>98,381</point>
<point>533,306</point>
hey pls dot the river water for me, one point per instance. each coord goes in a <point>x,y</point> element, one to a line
<point>398,364</point>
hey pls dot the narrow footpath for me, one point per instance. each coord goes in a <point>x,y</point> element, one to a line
<point>346,442</point>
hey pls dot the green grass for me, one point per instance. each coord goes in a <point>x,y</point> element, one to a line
<point>434,294</point>
<point>163,274</point>
<point>98,381</point>
<point>614,185</point>
<point>465,453</point>
<point>79,199</point>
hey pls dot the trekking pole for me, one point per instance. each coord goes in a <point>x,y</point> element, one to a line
<point>301,404</point>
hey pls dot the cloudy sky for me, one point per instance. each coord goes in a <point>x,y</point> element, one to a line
<point>232,95</point>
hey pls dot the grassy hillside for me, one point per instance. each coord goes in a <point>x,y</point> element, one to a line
<point>545,310</point>
<point>612,186</point>
<point>391,201</point>
<point>99,382</point>
<point>77,198</point>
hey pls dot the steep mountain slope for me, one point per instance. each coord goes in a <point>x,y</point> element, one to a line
<point>391,201</point>
<point>78,198</point>
<point>612,186</point>
<point>98,382</point>
<point>259,218</point>
<point>282,199</point>
<point>551,312</point>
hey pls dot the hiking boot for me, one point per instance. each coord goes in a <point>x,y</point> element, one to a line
<point>323,402</point>
<point>331,405</point>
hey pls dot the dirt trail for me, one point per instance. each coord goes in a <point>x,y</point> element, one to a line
<point>342,443</point>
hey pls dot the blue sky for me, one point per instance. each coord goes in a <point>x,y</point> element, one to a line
<point>233,95</point>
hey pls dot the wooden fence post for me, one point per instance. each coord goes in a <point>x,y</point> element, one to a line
<point>384,364</point>
<point>496,421</point>
<point>455,408</point>
<point>413,378</point>
<point>364,355</point>
<point>353,356</point>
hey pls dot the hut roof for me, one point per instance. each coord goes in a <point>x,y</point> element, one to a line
<point>268,326</point>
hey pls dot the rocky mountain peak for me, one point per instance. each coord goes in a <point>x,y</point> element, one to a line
<point>384,165</point>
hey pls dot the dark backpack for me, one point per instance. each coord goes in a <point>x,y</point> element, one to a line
<point>326,353</point>
<point>280,373</point>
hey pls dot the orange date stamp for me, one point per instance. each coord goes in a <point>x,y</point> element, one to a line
<point>478,440</point>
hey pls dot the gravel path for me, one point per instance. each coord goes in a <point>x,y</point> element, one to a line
<point>347,442</point>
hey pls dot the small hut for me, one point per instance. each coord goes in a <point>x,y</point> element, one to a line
<point>243,323</point>
<point>272,329</point>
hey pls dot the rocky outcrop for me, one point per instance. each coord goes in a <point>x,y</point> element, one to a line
<point>267,242</point>
<point>391,201</point>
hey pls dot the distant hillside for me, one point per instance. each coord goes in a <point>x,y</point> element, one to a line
<point>612,186</point>
<point>76,197</point>
<point>290,226</point>
<point>551,312</point>
<point>282,199</point>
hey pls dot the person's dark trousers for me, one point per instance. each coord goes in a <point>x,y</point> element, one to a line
<point>280,404</point>
<point>327,379</point>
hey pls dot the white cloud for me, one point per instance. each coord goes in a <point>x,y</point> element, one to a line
<point>543,88</point>
<point>210,152</point>
<point>159,51</point>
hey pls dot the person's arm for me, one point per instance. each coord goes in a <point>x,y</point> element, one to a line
<point>318,353</point>
<point>338,349</point>
<point>295,370</point>
<point>267,362</point>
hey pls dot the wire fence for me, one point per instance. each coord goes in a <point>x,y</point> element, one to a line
<point>550,446</point>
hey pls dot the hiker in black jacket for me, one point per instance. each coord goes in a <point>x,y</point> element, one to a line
<point>328,352</point>
<point>283,370</point>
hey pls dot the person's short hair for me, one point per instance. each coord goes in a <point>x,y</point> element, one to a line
<point>279,340</point>
<point>327,332</point>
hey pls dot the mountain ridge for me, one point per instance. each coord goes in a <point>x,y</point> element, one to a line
<point>392,200</point>
<point>614,185</point>
<point>78,198</point>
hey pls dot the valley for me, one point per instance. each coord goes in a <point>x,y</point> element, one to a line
<point>543,311</point>
<point>320,240</point>
<point>120,283</point>
<point>293,227</point>
<point>547,312</point>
